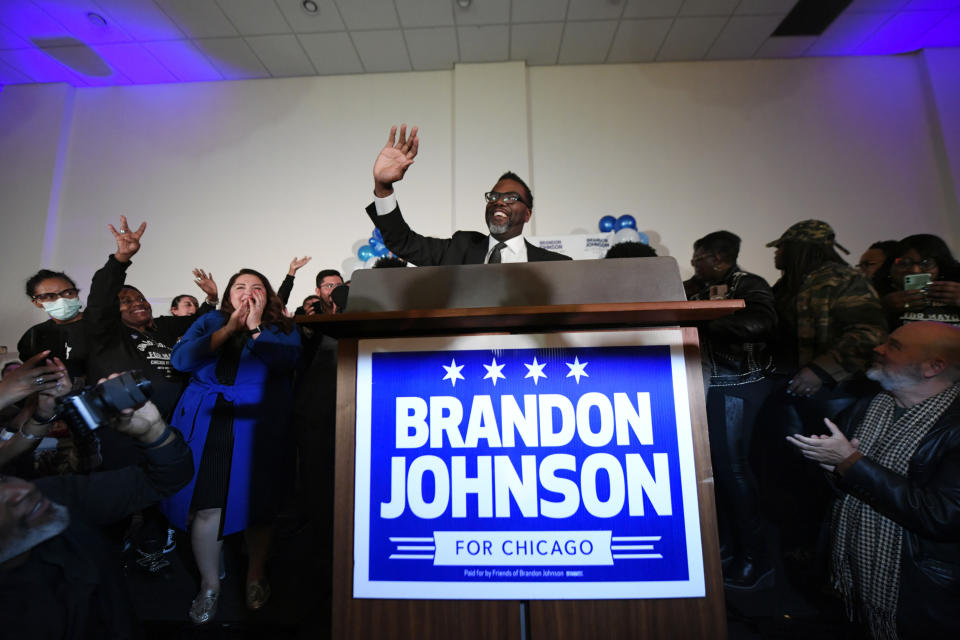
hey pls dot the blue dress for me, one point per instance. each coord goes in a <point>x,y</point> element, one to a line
<point>260,462</point>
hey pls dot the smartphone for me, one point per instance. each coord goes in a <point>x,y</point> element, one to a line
<point>916,281</point>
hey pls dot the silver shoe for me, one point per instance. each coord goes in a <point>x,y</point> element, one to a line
<point>204,607</point>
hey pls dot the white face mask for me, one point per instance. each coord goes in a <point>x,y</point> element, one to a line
<point>62,308</point>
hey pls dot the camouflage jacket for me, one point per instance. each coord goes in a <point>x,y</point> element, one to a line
<point>838,320</point>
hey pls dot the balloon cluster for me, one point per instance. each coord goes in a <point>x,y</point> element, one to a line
<point>373,250</point>
<point>624,228</point>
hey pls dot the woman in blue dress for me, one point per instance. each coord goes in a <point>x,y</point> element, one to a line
<point>235,416</point>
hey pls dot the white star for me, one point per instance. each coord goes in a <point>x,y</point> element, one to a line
<point>494,371</point>
<point>577,369</point>
<point>453,372</point>
<point>535,370</point>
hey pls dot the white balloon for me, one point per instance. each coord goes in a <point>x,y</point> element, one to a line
<point>626,235</point>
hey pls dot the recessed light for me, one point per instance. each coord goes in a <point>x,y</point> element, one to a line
<point>463,4</point>
<point>310,7</point>
<point>96,19</point>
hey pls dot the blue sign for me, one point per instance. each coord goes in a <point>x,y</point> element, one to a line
<point>508,467</point>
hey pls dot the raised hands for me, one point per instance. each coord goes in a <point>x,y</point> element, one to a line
<point>394,160</point>
<point>296,264</point>
<point>205,281</point>
<point>128,242</point>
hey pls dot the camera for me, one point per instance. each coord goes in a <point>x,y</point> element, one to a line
<point>92,406</point>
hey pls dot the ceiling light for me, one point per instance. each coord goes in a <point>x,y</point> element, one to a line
<point>96,19</point>
<point>310,7</point>
<point>463,4</point>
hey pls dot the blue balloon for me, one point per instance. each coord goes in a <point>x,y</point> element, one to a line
<point>381,251</point>
<point>365,252</point>
<point>373,242</point>
<point>626,221</point>
<point>607,223</point>
<point>644,238</point>
<point>377,247</point>
<point>377,234</point>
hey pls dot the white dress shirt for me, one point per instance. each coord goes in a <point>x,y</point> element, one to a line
<point>515,251</point>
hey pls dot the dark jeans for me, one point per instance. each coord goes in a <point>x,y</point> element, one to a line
<point>732,414</point>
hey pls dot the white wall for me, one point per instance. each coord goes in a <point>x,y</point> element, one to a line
<point>32,125</point>
<point>251,173</point>
<point>750,146</point>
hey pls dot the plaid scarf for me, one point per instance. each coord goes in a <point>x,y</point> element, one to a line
<point>867,545</point>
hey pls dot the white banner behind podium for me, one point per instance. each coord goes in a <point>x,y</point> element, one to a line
<point>579,247</point>
<point>544,466</point>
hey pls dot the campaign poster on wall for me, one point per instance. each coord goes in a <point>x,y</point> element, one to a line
<point>541,466</point>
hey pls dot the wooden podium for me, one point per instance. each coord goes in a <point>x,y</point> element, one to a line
<point>674,618</point>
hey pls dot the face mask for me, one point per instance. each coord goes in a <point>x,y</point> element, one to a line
<point>62,308</point>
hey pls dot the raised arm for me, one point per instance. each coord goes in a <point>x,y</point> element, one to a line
<point>128,242</point>
<point>102,315</point>
<point>206,283</point>
<point>394,160</point>
<point>283,292</point>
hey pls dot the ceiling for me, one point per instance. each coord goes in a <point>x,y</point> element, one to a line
<point>155,41</point>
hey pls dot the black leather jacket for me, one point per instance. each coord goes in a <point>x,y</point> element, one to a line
<point>735,346</point>
<point>926,503</point>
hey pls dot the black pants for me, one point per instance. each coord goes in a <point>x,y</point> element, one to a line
<point>732,414</point>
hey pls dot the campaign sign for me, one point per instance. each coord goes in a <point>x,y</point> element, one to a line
<point>525,467</point>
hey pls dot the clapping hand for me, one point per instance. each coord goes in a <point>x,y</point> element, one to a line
<point>205,281</point>
<point>256,303</point>
<point>394,160</point>
<point>829,450</point>
<point>296,264</point>
<point>128,242</point>
<point>238,319</point>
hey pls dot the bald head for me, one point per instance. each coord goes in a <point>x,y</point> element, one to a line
<point>934,341</point>
<point>918,360</point>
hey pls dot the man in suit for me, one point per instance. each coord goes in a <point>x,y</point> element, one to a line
<point>509,206</point>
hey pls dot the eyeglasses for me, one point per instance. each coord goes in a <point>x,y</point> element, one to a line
<point>69,294</point>
<point>507,198</point>
<point>330,285</point>
<point>907,263</point>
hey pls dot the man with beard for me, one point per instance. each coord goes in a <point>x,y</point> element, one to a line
<point>509,206</point>
<point>58,574</point>
<point>896,528</point>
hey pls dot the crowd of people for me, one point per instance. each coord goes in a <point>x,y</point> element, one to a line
<point>831,403</point>
<point>874,349</point>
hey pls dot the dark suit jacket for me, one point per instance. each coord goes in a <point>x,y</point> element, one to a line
<point>465,247</point>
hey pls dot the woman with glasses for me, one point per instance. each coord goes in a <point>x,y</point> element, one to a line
<point>924,282</point>
<point>63,332</point>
